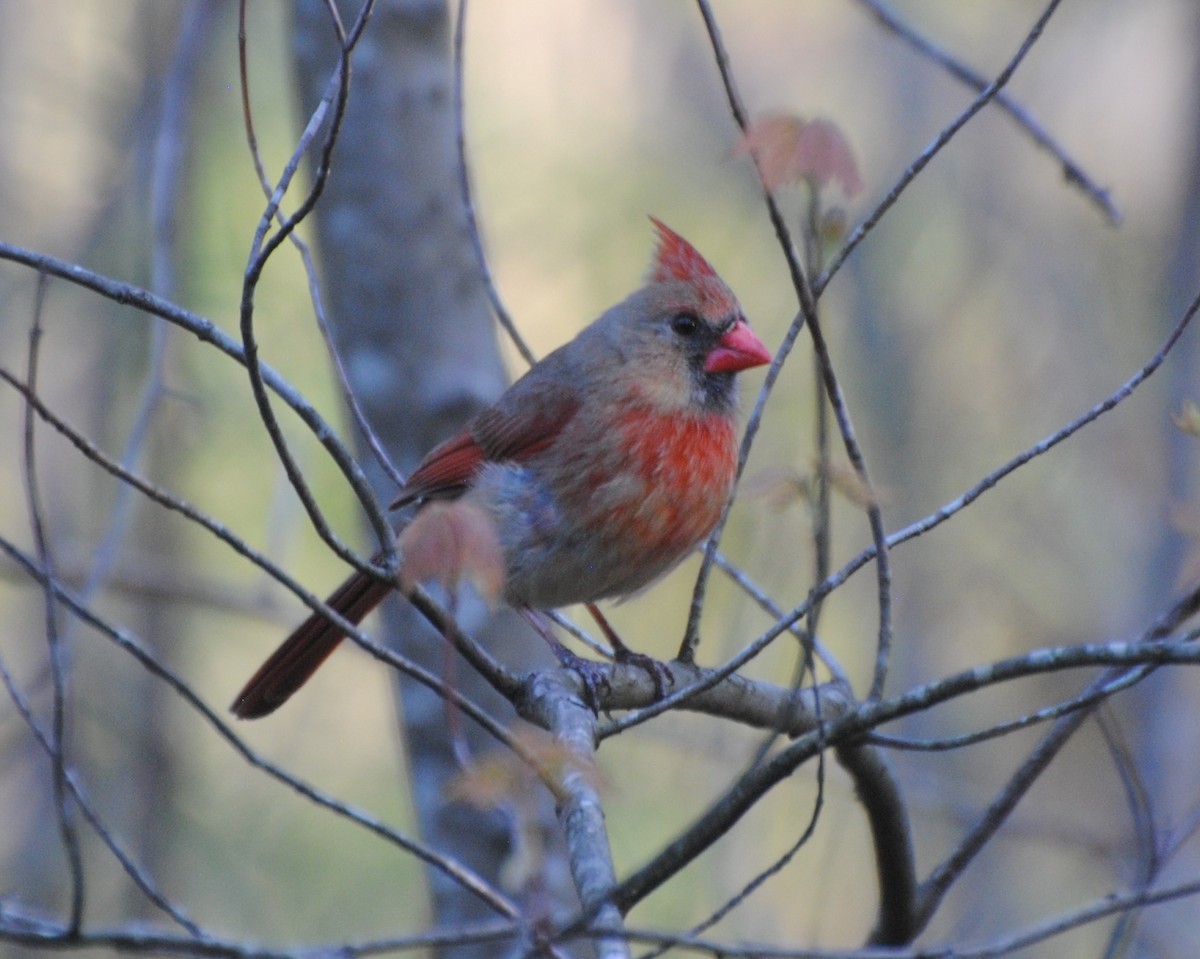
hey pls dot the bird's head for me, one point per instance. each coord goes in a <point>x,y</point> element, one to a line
<point>683,336</point>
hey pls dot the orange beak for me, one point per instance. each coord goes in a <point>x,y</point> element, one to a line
<point>738,349</point>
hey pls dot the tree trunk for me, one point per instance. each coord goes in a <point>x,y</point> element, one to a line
<point>412,325</point>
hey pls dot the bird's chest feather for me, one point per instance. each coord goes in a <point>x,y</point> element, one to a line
<point>610,506</point>
<point>663,488</point>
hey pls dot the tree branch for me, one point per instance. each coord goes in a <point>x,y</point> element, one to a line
<point>1073,173</point>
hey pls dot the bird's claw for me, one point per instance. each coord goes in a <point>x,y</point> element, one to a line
<point>593,675</point>
<point>659,672</point>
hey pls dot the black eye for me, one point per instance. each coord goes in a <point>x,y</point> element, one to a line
<point>685,324</point>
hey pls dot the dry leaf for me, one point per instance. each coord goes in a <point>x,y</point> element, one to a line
<point>504,778</point>
<point>1188,418</point>
<point>789,151</point>
<point>850,483</point>
<point>780,486</point>
<point>510,780</point>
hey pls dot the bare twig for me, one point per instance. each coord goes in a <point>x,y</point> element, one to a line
<point>36,932</point>
<point>169,154</point>
<point>464,180</point>
<point>263,246</point>
<point>1090,697</point>
<point>63,803</point>
<point>1145,828</point>
<point>986,96</point>
<point>807,316</point>
<point>136,873</point>
<point>497,674</point>
<point>759,880</point>
<point>208,332</point>
<point>126,641</point>
<point>1073,173</point>
<point>306,259</point>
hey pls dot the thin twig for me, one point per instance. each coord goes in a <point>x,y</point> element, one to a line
<point>207,332</point>
<point>1073,173</point>
<point>780,863</point>
<point>691,637</point>
<point>498,675</point>
<point>262,247</point>
<point>139,876</point>
<point>464,182</point>
<point>986,96</point>
<point>1145,827</point>
<point>64,806</point>
<point>769,606</point>
<point>456,871</point>
<point>306,260</point>
<point>169,153</point>
<point>23,928</point>
<point>1084,700</point>
<point>807,296</point>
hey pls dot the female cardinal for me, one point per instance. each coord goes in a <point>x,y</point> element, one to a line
<point>600,469</point>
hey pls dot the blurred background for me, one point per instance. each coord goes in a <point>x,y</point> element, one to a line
<point>994,303</point>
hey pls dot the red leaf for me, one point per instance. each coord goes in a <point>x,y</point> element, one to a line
<point>449,542</point>
<point>788,150</point>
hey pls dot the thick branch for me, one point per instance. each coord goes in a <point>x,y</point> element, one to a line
<point>891,833</point>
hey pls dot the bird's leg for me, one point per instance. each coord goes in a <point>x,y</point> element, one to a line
<point>593,674</point>
<point>660,673</point>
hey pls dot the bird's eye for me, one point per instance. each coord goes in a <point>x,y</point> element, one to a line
<point>685,324</point>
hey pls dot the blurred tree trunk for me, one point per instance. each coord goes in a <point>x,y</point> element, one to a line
<point>1163,746</point>
<point>412,325</point>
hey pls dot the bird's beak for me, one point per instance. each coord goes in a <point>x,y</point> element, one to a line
<point>738,349</point>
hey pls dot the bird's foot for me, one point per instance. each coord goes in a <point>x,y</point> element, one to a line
<point>594,676</point>
<point>659,672</point>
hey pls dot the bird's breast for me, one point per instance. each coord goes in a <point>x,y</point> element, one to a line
<point>673,475</point>
<point>610,511</point>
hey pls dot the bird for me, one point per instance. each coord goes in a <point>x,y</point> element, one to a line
<point>598,470</point>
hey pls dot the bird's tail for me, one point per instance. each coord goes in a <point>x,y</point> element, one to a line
<point>309,645</point>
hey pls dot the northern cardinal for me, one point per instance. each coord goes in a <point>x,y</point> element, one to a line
<point>600,469</point>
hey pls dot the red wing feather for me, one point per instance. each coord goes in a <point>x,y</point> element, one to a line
<point>515,431</point>
<point>446,470</point>
<point>506,432</point>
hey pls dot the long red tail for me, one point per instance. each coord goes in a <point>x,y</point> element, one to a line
<point>309,645</point>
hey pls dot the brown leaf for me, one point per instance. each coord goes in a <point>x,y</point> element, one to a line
<point>833,226</point>
<point>850,483</point>
<point>788,150</point>
<point>780,486</point>
<point>450,542</point>
<point>504,778</point>
<point>1188,418</point>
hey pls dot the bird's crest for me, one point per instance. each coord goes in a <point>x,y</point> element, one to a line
<point>677,259</point>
